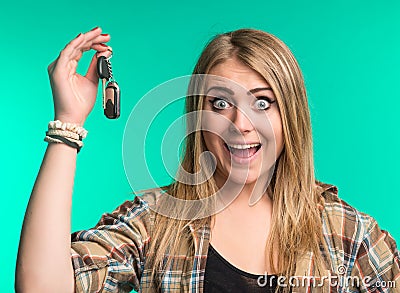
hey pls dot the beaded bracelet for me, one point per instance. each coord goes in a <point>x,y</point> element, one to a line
<point>69,133</point>
<point>65,133</point>
<point>75,128</point>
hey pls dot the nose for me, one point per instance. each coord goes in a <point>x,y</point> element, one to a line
<point>241,122</point>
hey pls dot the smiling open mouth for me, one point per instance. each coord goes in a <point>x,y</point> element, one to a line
<point>243,150</point>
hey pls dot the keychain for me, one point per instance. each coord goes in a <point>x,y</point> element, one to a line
<point>110,88</point>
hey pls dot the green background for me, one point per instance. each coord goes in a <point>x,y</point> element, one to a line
<point>348,51</point>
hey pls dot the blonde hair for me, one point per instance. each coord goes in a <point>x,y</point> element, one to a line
<point>296,222</point>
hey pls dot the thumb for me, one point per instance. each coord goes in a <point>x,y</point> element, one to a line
<point>91,73</point>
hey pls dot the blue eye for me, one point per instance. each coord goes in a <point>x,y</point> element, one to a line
<point>220,104</point>
<point>262,104</point>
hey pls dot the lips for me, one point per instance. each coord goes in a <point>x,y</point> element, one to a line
<point>243,151</point>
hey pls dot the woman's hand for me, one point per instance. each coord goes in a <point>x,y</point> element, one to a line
<point>74,95</point>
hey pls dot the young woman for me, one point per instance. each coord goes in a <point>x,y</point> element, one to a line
<point>261,222</point>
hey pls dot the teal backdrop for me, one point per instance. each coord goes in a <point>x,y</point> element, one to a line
<point>348,51</point>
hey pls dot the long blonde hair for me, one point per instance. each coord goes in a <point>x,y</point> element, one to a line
<point>296,222</point>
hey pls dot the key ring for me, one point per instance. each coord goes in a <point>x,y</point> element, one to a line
<point>109,50</point>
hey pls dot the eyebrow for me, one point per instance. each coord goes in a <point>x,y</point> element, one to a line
<point>259,89</point>
<point>221,88</point>
<point>231,92</point>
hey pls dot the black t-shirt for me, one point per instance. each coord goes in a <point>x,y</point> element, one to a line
<point>221,276</point>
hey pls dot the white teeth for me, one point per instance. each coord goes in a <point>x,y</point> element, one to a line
<point>243,146</point>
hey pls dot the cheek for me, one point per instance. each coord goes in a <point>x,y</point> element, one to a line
<point>270,127</point>
<point>278,133</point>
<point>213,125</point>
<point>271,131</point>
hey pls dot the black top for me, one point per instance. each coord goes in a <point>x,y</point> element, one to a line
<point>221,276</point>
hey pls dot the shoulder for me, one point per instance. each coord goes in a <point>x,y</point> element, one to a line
<point>136,214</point>
<point>356,240</point>
<point>340,217</point>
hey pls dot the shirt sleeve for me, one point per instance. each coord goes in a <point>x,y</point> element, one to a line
<point>110,257</point>
<point>377,264</point>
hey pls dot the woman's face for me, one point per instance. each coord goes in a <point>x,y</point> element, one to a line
<point>241,124</point>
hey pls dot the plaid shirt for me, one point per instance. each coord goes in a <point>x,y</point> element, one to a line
<point>111,257</point>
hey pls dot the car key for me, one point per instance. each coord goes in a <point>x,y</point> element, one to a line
<point>103,70</point>
<point>104,73</point>
<point>111,91</point>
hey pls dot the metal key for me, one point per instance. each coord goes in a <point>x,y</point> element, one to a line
<point>104,72</point>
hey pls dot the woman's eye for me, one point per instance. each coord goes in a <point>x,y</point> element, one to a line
<point>220,104</point>
<point>262,104</point>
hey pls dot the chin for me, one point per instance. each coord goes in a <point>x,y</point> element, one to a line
<point>245,177</point>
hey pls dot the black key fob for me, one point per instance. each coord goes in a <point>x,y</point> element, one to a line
<point>112,100</point>
<point>103,68</point>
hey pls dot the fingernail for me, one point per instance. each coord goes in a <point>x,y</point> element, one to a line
<point>103,45</point>
<point>78,35</point>
<point>104,35</point>
<point>93,29</point>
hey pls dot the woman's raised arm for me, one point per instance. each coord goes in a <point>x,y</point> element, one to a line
<point>44,259</point>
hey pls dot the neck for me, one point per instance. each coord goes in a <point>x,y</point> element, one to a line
<point>244,196</point>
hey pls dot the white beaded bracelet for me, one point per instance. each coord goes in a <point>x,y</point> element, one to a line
<point>72,127</point>
<point>65,133</point>
<point>49,139</point>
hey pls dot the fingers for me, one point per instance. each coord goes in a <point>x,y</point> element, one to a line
<point>100,48</point>
<point>102,38</point>
<point>83,42</point>
<point>73,51</point>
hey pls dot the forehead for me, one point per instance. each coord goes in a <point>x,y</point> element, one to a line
<point>232,73</point>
